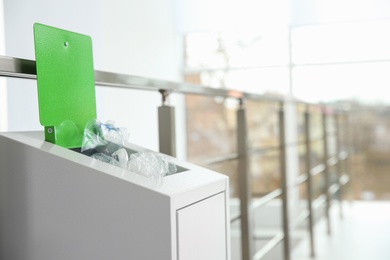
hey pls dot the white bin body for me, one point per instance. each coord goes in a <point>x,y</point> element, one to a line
<point>58,204</point>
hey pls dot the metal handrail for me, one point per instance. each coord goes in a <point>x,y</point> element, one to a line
<point>26,69</point>
<point>260,202</point>
<point>18,68</point>
<point>318,169</point>
<point>322,199</point>
<point>269,246</point>
<point>279,236</point>
<point>251,151</point>
<point>305,213</point>
<point>266,199</point>
<point>220,159</point>
<point>300,180</point>
<point>334,188</point>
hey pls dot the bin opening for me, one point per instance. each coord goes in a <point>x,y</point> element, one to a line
<point>90,152</point>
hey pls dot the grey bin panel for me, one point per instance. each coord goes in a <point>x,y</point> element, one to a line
<point>58,204</point>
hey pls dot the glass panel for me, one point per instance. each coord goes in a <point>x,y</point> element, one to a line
<point>332,145</point>
<point>343,132</point>
<point>211,128</point>
<point>303,191</point>
<point>229,168</point>
<point>263,130</point>
<point>318,184</point>
<point>316,125</point>
<point>369,162</point>
<point>317,153</point>
<point>302,158</point>
<point>333,179</point>
<point>265,170</point>
<point>301,123</point>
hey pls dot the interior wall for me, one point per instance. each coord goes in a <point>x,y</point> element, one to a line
<point>131,37</point>
<point>140,39</point>
<point>19,17</point>
<point>3,86</point>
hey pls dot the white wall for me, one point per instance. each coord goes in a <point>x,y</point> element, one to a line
<point>140,40</point>
<point>3,87</point>
<point>131,37</point>
<point>20,15</point>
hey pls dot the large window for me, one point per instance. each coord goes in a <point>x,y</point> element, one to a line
<point>342,61</point>
<point>252,62</point>
<point>319,62</point>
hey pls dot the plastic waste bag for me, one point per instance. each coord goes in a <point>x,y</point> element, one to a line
<point>105,142</point>
<point>151,165</point>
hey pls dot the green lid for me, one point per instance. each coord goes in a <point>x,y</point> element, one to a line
<point>66,84</point>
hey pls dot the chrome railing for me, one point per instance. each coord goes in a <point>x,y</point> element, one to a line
<point>303,179</point>
<point>22,68</point>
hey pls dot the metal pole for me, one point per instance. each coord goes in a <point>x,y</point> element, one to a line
<point>326,171</point>
<point>339,169</point>
<point>283,169</point>
<point>166,126</point>
<point>245,191</point>
<point>347,140</point>
<point>309,180</point>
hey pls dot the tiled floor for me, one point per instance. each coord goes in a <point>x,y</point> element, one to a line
<point>363,234</point>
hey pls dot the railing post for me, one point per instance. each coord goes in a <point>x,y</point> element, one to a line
<point>309,179</point>
<point>339,168</point>
<point>326,170</point>
<point>347,141</point>
<point>284,185</point>
<point>166,126</point>
<point>245,191</point>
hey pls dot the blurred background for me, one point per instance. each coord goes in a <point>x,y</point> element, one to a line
<point>317,51</point>
<point>333,52</point>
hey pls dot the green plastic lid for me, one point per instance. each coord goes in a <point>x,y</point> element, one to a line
<point>66,84</point>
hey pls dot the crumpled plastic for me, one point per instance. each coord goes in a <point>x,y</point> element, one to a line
<point>151,165</point>
<point>103,138</point>
<point>105,142</point>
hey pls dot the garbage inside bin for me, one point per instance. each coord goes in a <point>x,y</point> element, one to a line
<point>152,165</point>
<point>103,138</point>
<point>105,142</point>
